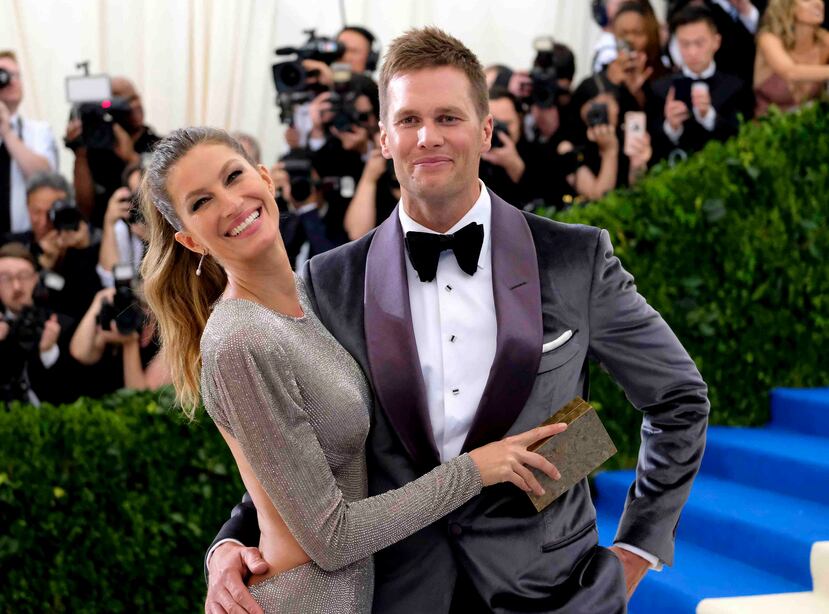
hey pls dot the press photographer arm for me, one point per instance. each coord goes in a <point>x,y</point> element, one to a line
<point>81,174</point>
<point>361,215</point>
<point>28,160</point>
<point>118,208</point>
<point>88,342</point>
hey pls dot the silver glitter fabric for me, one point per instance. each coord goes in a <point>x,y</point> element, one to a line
<point>297,403</point>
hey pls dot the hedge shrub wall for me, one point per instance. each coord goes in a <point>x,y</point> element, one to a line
<point>108,505</point>
<point>731,247</point>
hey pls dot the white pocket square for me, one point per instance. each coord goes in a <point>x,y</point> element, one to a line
<point>557,342</point>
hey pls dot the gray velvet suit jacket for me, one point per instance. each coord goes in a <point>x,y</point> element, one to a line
<point>548,277</point>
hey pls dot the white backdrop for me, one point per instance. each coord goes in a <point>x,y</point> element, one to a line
<point>208,61</point>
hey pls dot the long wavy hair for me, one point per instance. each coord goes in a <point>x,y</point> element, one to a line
<point>779,20</point>
<point>180,300</point>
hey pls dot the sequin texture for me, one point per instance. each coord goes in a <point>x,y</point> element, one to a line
<point>298,404</point>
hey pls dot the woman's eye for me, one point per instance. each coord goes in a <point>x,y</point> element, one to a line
<point>199,203</point>
<point>233,176</point>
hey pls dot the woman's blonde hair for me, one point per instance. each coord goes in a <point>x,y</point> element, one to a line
<point>180,300</point>
<point>779,20</point>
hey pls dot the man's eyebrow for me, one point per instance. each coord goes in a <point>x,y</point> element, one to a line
<point>222,171</point>
<point>449,110</point>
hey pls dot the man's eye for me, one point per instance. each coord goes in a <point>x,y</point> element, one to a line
<point>408,120</point>
<point>448,118</point>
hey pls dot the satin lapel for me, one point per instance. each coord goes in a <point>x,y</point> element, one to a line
<point>391,345</point>
<point>516,287</point>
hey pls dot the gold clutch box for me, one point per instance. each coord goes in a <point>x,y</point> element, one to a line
<point>576,452</point>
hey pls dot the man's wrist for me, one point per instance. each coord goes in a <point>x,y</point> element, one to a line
<point>215,547</point>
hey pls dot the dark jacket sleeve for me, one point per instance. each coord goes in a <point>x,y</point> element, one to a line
<point>660,379</point>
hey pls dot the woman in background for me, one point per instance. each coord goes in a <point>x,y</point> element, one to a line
<point>792,64</point>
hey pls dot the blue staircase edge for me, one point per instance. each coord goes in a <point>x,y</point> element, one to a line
<point>805,410</point>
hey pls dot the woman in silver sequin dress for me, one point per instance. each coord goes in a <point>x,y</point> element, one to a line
<point>292,404</point>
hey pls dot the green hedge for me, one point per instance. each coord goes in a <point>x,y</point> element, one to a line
<point>108,505</point>
<point>731,247</point>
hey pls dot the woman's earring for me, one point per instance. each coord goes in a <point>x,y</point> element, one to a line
<point>198,269</point>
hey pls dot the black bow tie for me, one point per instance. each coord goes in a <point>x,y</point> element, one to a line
<point>424,249</point>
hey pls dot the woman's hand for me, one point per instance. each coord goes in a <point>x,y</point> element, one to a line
<point>509,460</point>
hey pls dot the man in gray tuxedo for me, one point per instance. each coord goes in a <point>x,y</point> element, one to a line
<point>473,321</point>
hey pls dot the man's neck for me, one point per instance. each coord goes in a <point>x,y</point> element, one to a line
<point>441,215</point>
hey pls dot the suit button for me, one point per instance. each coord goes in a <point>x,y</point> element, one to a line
<point>455,530</point>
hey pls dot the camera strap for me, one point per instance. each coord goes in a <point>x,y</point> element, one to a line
<point>6,183</point>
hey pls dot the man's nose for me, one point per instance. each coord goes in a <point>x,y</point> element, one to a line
<point>429,136</point>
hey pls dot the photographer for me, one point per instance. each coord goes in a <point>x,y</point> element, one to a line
<point>98,171</point>
<point>503,168</point>
<point>607,157</point>
<point>26,147</point>
<point>69,248</point>
<point>34,363</point>
<point>119,349</point>
<point>124,232</point>
<point>377,193</point>
<point>701,103</point>
<point>354,47</point>
<point>304,221</point>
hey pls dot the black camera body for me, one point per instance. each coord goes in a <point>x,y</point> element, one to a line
<point>597,115</point>
<point>124,310</point>
<point>293,82</point>
<point>97,119</point>
<point>499,128</point>
<point>64,215</point>
<point>5,78</point>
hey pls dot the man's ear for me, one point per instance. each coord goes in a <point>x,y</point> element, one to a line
<point>488,126</point>
<point>266,176</point>
<point>384,147</point>
<point>717,42</point>
<point>185,239</point>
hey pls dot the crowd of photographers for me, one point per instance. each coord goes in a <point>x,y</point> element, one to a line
<point>71,320</point>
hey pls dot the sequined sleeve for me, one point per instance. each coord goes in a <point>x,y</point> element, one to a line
<point>253,393</point>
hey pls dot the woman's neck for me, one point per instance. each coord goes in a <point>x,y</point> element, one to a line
<point>804,37</point>
<point>267,281</point>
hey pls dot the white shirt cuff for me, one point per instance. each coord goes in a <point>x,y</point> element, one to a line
<point>671,133</point>
<point>752,20</point>
<point>50,356</point>
<point>656,564</point>
<point>219,543</point>
<point>708,121</point>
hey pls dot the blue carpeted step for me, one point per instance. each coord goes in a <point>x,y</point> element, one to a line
<point>773,459</point>
<point>697,574</point>
<point>805,410</point>
<point>767,530</point>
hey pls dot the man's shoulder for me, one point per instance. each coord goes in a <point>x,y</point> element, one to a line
<point>342,259</point>
<point>560,235</point>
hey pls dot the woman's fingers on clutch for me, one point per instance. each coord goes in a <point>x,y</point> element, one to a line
<point>533,459</point>
<point>529,479</point>
<point>540,432</point>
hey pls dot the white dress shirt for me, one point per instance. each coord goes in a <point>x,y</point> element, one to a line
<point>37,136</point>
<point>453,317</point>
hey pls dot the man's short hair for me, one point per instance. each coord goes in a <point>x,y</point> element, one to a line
<point>17,250</point>
<point>8,53</point>
<point>693,13</point>
<point>433,48</point>
<point>49,179</point>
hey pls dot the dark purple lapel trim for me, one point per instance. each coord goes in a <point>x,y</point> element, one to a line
<point>391,346</point>
<point>517,290</point>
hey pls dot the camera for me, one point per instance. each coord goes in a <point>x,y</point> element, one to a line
<point>124,310</point>
<point>343,97</point>
<point>93,103</point>
<point>499,128</point>
<point>65,215</point>
<point>294,84</point>
<point>597,114</point>
<point>570,162</point>
<point>552,62</point>
<point>5,78</point>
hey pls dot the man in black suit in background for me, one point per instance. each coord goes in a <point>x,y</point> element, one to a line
<point>700,103</point>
